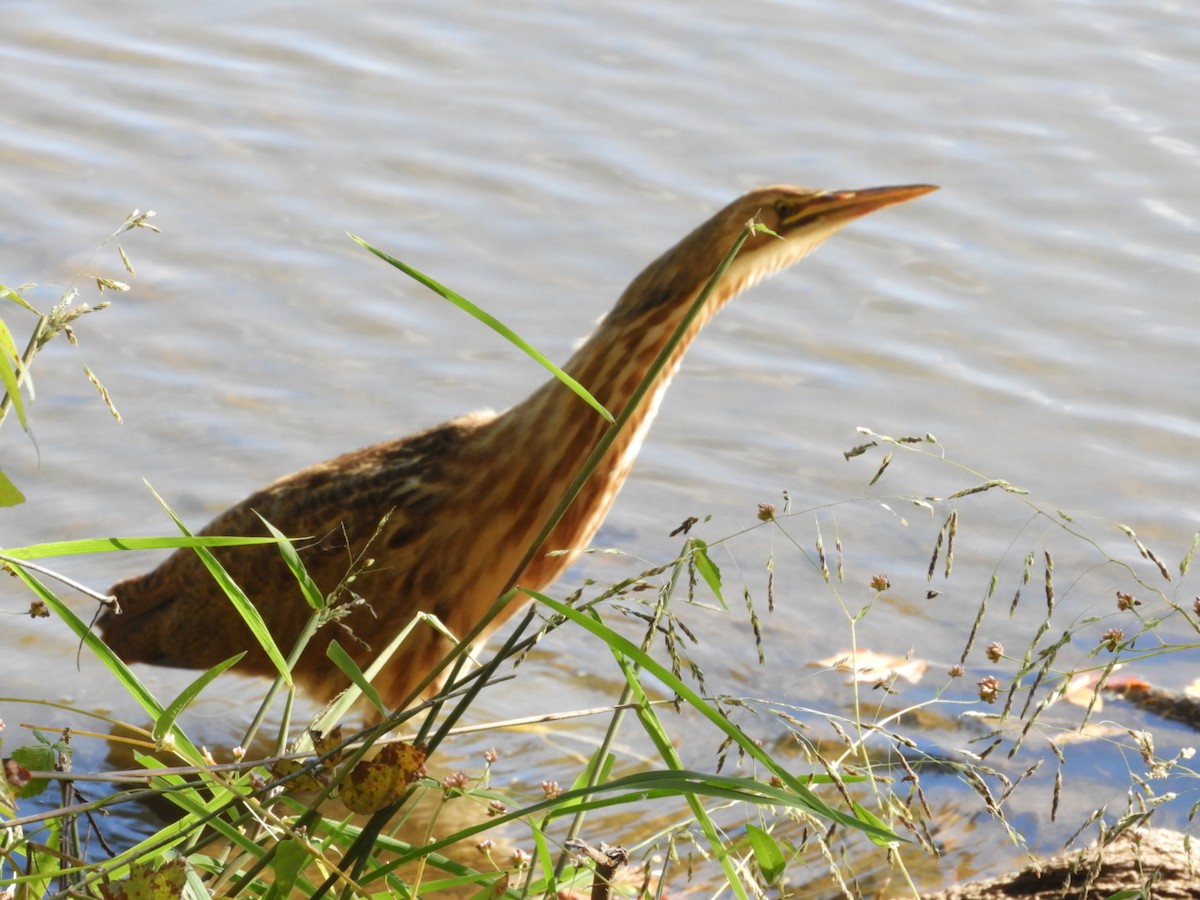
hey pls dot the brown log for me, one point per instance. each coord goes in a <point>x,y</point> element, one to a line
<point>1157,861</point>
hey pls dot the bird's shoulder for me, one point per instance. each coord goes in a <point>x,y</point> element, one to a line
<point>403,477</point>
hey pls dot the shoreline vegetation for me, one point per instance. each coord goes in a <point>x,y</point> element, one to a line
<point>796,802</point>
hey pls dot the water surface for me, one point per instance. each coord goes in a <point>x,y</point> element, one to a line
<point>1037,314</point>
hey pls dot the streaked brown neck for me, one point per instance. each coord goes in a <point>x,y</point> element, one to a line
<point>610,364</point>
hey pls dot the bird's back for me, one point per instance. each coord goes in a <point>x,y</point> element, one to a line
<point>383,501</point>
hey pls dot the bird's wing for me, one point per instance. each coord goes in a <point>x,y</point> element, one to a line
<point>381,496</point>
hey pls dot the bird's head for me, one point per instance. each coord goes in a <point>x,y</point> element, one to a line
<point>798,219</point>
<point>802,218</point>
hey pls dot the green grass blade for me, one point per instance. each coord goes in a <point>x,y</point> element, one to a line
<point>770,858</point>
<point>10,368</point>
<point>14,297</point>
<point>666,750</point>
<point>166,721</point>
<point>867,816</point>
<point>308,587</point>
<point>708,569</point>
<point>491,322</point>
<point>247,610</point>
<point>350,669</point>
<point>115,544</point>
<point>10,494</point>
<point>290,858</point>
<point>636,788</point>
<point>198,811</point>
<point>630,651</point>
<point>132,684</point>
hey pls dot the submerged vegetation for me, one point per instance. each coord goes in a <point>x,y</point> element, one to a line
<point>782,801</point>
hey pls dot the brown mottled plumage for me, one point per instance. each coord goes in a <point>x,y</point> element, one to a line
<point>467,497</point>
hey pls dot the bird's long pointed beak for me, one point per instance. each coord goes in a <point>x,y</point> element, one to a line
<point>838,205</point>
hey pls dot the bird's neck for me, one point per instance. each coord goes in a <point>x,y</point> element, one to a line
<point>611,364</point>
<point>614,360</point>
<point>556,431</point>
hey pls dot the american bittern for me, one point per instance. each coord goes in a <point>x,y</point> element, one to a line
<point>464,500</point>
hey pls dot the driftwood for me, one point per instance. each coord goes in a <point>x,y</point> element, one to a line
<point>1155,861</point>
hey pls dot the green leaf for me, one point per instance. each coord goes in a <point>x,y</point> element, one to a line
<point>113,544</point>
<point>767,854</point>
<point>43,859</point>
<point>39,758</point>
<point>290,857</point>
<point>350,669</point>
<point>287,550</point>
<point>10,368</point>
<point>798,793</point>
<point>130,682</point>
<point>708,569</point>
<point>166,721</point>
<point>867,816</point>
<point>10,494</point>
<point>150,880</point>
<point>542,848</point>
<point>9,294</point>
<point>597,771</point>
<point>247,610</point>
<point>491,322</point>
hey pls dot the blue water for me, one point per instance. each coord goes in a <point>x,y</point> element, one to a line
<point>1037,314</point>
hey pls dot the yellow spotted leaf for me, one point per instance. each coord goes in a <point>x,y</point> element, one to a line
<point>323,743</point>
<point>312,780</point>
<point>374,783</point>
<point>149,882</point>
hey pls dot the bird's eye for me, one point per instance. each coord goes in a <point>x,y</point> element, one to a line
<point>784,207</point>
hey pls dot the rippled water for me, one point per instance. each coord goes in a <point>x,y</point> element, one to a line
<point>1037,315</point>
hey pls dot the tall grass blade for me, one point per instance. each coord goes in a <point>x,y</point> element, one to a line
<point>114,544</point>
<point>249,613</point>
<point>618,643</point>
<point>491,322</point>
<point>131,683</point>
<point>166,721</point>
<point>9,376</point>
<point>350,669</point>
<point>308,587</point>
